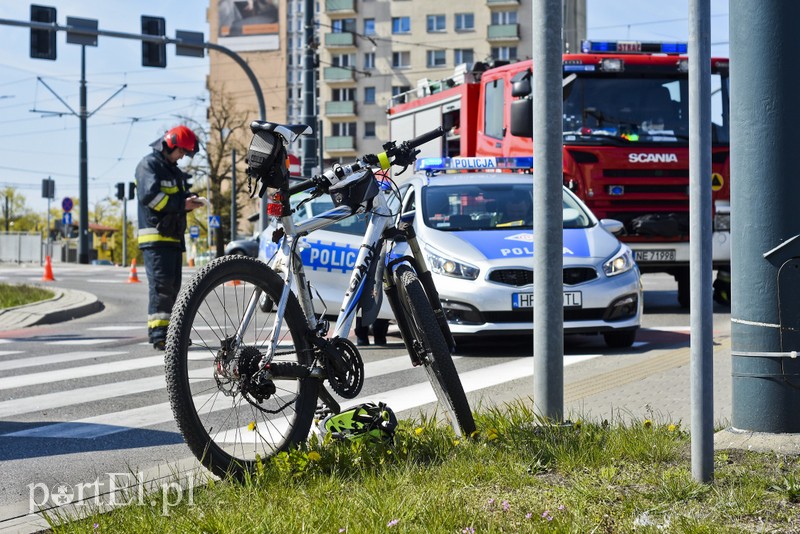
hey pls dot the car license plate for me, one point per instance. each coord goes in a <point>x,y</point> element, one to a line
<point>646,255</point>
<point>572,299</point>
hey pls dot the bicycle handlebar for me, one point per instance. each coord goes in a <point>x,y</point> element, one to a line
<point>403,155</point>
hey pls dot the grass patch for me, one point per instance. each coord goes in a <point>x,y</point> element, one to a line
<point>517,474</point>
<point>16,295</point>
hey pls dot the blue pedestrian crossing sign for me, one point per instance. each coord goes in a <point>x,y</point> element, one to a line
<point>213,221</point>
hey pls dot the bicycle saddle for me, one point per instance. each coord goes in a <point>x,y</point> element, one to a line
<point>290,132</point>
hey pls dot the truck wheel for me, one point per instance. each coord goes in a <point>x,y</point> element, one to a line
<point>683,288</point>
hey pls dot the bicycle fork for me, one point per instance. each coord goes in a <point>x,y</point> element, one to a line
<point>406,232</point>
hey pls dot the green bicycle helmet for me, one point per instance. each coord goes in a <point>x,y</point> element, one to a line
<point>364,422</point>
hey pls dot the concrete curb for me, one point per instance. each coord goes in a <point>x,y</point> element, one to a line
<point>65,305</point>
<point>746,440</point>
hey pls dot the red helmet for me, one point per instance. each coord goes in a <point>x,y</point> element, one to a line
<point>181,136</point>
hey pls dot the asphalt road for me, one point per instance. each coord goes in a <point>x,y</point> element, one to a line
<point>82,400</point>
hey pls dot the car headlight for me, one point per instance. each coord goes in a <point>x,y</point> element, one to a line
<point>443,265</point>
<point>619,263</point>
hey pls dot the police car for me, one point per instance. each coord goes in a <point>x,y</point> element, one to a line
<point>328,255</point>
<point>476,229</point>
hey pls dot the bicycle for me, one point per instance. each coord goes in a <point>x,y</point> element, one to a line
<point>247,354</point>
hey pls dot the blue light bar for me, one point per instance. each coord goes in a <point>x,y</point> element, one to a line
<point>632,47</point>
<point>474,164</point>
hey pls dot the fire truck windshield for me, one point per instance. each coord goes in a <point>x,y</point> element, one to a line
<point>637,109</point>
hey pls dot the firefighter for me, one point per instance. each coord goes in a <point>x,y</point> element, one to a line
<point>164,199</point>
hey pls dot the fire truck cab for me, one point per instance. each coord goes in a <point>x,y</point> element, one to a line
<point>626,142</point>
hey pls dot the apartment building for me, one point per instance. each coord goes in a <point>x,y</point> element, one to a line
<point>373,50</point>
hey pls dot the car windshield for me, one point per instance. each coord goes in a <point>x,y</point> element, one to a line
<point>490,207</point>
<point>356,225</point>
<point>620,109</point>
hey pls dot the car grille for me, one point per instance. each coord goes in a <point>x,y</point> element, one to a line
<point>523,277</point>
<point>519,316</point>
<point>512,277</point>
<point>578,275</point>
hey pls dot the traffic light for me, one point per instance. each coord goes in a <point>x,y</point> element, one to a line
<point>131,190</point>
<point>43,42</point>
<point>154,54</point>
<point>121,190</point>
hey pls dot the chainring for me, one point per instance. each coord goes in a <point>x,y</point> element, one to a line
<point>346,369</point>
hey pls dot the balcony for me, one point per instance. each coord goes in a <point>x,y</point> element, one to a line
<point>340,7</point>
<point>340,39</point>
<point>502,3</point>
<point>340,143</point>
<point>503,32</point>
<point>340,109</point>
<point>338,74</point>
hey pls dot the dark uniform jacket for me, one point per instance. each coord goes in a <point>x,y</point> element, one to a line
<point>162,190</point>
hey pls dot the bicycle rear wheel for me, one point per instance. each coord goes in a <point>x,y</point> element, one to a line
<point>225,419</point>
<point>431,348</point>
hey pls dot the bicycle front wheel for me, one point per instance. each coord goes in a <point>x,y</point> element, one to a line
<point>226,419</point>
<point>431,348</point>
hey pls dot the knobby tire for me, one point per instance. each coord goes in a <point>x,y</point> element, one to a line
<point>438,363</point>
<point>225,432</point>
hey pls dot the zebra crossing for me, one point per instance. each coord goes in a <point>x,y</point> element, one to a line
<point>57,389</point>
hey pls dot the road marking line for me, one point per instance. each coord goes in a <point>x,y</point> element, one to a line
<point>84,341</point>
<point>21,363</point>
<point>9,353</point>
<point>117,328</point>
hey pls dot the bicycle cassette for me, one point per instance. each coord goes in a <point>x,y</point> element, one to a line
<point>345,368</point>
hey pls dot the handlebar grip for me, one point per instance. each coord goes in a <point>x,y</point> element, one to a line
<point>424,138</point>
<point>305,185</point>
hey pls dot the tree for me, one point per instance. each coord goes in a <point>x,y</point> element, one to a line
<point>226,131</point>
<point>16,216</point>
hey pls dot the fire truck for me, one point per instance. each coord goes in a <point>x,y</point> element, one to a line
<point>626,143</point>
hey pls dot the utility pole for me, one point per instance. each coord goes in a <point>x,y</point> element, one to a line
<point>309,92</point>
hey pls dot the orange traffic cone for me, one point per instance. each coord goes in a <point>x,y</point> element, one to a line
<point>133,278</point>
<point>48,271</point>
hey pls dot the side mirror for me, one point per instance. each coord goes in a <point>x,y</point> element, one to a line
<point>522,118</point>
<point>612,225</point>
<point>521,84</point>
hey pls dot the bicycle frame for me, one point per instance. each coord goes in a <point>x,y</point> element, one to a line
<point>289,264</point>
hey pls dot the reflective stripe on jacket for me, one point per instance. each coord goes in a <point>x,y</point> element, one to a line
<point>162,191</point>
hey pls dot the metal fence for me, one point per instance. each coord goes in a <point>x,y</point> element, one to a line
<point>21,248</point>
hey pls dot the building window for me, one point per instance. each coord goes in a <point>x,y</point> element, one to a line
<point>436,58</point>
<point>504,17</point>
<point>369,26</point>
<point>344,95</point>
<point>369,95</point>
<point>436,23</point>
<point>369,60</point>
<point>344,129</point>
<point>369,129</point>
<point>401,59</point>
<point>344,60</point>
<point>464,55</point>
<point>398,90</point>
<point>401,24</point>
<point>343,25</point>
<point>507,53</point>
<point>465,22</point>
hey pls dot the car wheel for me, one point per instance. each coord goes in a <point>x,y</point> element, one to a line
<point>619,339</point>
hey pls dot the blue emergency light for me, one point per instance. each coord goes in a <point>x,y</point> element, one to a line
<point>474,163</point>
<point>632,47</point>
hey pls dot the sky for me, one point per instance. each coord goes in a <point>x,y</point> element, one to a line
<point>39,134</point>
